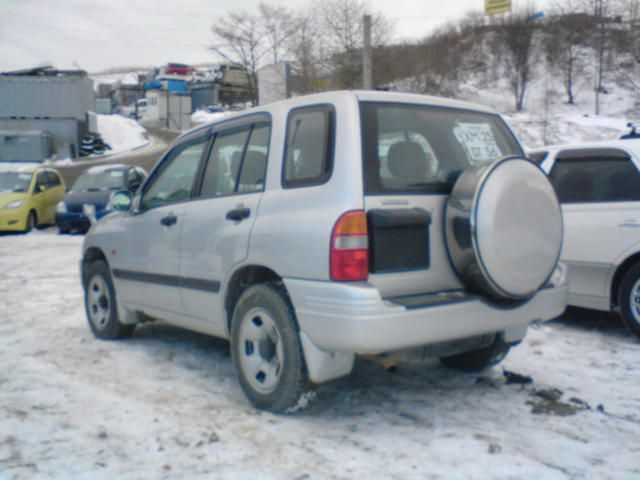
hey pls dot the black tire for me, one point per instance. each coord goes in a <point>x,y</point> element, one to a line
<point>478,360</point>
<point>272,308</point>
<point>626,299</point>
<point>100,304</point>
<point>32,221</point>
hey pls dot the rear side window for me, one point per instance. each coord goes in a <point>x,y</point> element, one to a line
<point>595,179</point>
<point>309,146</point>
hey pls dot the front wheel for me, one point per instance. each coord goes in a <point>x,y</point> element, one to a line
<point>266,350</point>
<point>480,359</point>
<point>629,299</point>
<point>32,222</point>
<point>100,304</point>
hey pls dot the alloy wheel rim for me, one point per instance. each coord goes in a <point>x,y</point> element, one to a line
<point>260,350</point>
<point>634,301</point>
<point>99,305</point>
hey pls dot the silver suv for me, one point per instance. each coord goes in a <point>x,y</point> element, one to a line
<point>311,230</point>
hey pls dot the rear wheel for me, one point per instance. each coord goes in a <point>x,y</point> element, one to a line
<point>478,360</point>
<point>629,299</point>
<point>266,350</point>
<point>100,304</point>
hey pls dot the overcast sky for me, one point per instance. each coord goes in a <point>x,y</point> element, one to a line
<point>95,35</point>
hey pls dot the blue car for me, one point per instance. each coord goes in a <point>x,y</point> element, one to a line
<point>93,189</point>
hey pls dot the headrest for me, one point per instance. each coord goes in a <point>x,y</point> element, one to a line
<point>408,160</point>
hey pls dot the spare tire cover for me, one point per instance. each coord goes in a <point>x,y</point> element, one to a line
<point>504,229</point>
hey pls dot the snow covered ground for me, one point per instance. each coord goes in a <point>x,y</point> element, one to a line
<point>122,134</point>
<point>547,118</point>
<point>166,404</point>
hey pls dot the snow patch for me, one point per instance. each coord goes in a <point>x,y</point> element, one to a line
<point>167,404</point>
<point>201,116</point>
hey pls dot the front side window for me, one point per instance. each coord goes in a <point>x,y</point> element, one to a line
<point>53,179</point>
<point>41,181</point>
<point>309,146</point>
<point>411,149</point>
<point>174,181</point>
<point>595,179</point>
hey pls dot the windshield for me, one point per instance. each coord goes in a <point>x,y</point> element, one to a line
<point>104,180</point>
<point>419,149</point>
<point>15,181</point>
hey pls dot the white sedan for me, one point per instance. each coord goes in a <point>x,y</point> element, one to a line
<point>598,185</point>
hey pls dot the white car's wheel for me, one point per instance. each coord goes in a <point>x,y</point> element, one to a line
<point>629,299</point>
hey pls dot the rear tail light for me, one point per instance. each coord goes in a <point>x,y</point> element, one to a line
<point>350,247</point>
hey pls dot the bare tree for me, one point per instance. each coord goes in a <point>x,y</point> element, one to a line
<point>515,37</point>
<point>565,38</point>
<point>600,12</point>
<point>279,25</point>
<point>239,39</point>
<point>341,22</point>
<point>307,51</point>
<point>629,61</point>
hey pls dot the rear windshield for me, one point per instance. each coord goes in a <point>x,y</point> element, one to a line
<point>416,149</point>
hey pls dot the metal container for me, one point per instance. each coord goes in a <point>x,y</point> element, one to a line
<point>25,146</point>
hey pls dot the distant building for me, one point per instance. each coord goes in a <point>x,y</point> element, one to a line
<point>54,102</point>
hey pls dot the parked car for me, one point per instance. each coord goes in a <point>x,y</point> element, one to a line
<point>311,230</point>
<point>28,196</point>
<point>598,185</point>
<point>94,188</point>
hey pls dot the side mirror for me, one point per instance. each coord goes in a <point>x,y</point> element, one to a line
<point>121,201</point>
<point>42,188</point>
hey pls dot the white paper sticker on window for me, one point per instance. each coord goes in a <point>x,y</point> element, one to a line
<point>478,142</point>
<point>117,173</point>
<point>24,176</point>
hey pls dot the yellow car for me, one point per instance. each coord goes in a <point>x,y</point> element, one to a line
<point>29,194</point>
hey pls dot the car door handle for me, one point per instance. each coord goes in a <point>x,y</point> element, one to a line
<point>169,220</point>
<point>238,214</point>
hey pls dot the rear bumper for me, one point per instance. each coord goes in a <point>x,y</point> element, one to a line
<point>354,318</point>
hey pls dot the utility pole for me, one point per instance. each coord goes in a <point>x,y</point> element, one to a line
<point>367,80</point>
